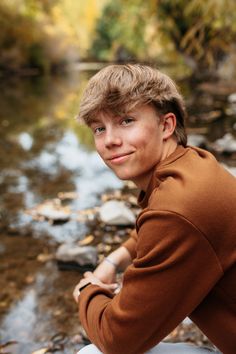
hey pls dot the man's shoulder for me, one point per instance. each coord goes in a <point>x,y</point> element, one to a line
<point>195,181</point>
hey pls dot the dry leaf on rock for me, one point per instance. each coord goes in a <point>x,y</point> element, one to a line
<point>51,210</point>
<point>40,351</point>
<point>45,257</point>
<point>86,241</point>
<point>68,195</point>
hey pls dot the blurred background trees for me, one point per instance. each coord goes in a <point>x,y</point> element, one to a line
<point>44,35</point>
<point>48,35</point>
<point>200,33</point>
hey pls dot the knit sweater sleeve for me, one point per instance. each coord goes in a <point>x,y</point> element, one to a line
<point>174,270</point>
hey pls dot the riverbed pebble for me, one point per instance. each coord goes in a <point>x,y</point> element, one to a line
<point>196,140</point>
<point>82,255</point>
<point>225,144</point>
<point>232,98</point>
<point>115,212</point>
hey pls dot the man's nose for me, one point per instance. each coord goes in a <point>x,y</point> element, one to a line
<point>112,138</point>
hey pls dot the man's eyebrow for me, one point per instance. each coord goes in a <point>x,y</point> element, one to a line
<point>93,121</point>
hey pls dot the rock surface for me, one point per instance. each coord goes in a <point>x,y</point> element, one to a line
<point>196,140</point>
<point>232,98</point>
<point>51,210</point>
<point>115,212</point>
<point>85,255</point>
<point>225,144</point>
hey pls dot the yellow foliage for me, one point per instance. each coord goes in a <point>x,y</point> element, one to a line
<point>81,16</point>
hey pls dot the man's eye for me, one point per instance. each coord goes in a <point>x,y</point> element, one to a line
<point>98,130</point>
<point>127,121</point>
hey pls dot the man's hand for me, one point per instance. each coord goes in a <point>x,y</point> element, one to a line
<point>91,278</point>
<point>105,272</point>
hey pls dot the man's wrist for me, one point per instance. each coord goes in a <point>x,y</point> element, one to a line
<point>84,286</point>
<point>110,261</point>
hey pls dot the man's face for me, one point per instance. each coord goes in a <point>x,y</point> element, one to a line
<point>132,145</point>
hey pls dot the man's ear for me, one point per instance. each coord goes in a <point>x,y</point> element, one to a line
<point>169,124</point>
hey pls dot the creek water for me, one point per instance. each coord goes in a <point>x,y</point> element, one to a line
<point>44,151</point>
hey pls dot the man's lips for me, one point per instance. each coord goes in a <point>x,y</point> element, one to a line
<point>119,157</point>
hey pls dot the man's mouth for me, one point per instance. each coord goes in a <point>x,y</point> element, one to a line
<point>119,158</point>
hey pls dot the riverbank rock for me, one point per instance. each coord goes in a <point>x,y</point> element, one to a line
<point>232,98</point>
<point>81,255</point>
<point>196,140</point>
<point>226,144</point>
<point>116,213</point>
<point>50,210</point>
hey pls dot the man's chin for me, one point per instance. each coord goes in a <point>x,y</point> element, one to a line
<point>120,172</point>
<point>123,176</point>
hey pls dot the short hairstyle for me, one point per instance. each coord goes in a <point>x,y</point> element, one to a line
<point>120,88</point>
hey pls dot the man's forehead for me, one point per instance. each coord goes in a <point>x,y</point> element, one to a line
<point>107,115</point>
<point>104,116</point>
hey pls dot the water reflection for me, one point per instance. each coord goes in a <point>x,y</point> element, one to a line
<point>25,308</point>
<point>44,149</point>
<point>26,141</point>
<point>43,152</point>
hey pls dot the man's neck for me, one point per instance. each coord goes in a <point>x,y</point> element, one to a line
<point>142,181</point>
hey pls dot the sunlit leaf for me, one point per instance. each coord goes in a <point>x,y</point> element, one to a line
<point>86,241</point>
<point>40,351</point>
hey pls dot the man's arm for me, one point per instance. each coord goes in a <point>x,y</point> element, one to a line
<point>166,282</point>
<point>119,259</point>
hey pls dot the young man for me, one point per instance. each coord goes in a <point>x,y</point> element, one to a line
<point>181,261</point>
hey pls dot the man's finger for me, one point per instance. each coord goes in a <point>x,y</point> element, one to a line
<point>87,274</point>
<point>113,286</point>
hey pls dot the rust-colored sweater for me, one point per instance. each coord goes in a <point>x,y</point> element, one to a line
<point>184,261</point>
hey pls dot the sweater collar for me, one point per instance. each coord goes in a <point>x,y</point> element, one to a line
<point>154,182</point>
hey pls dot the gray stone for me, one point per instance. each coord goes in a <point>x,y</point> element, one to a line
<point>226,144</point>
<point>115,212</point>
<point>232,102</point>
<point>55,215</point>
<point>196,139</point>
<point>84,255</point>
<point>232,98</point>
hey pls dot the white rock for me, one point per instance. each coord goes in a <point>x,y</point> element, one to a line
<point>232,98</point>
<point>114,212</point>
<point>227,143</point>
<point>81,255</point>
<point>232,102</point>
<point>53,214</point>
<point>196,139</point>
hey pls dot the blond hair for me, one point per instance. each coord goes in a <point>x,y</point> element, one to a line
<point>120,88</point>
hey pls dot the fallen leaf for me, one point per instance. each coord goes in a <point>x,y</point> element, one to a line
<point>45,257</point>
<point>40,351</point>
<point>7,344</point>
<point>67,195</point>
<point>29,279</point>
<point>86,241</point>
